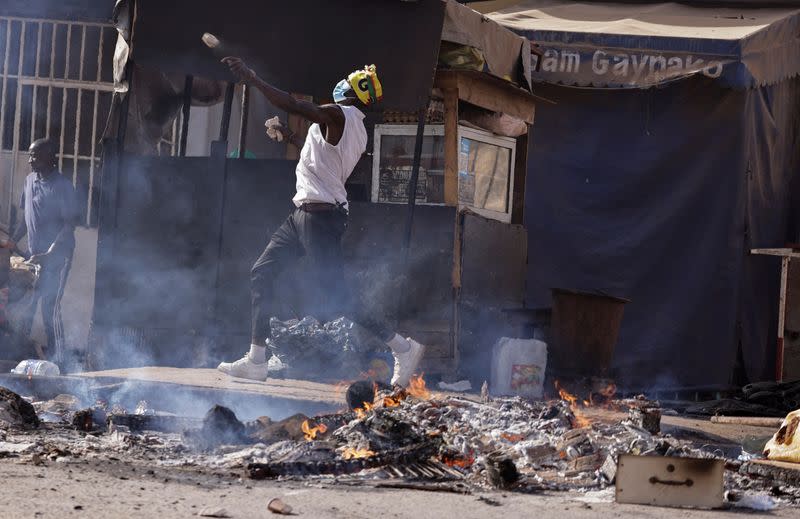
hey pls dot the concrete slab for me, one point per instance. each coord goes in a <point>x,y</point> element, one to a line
<point>214,380</point>
<point>186,392</point>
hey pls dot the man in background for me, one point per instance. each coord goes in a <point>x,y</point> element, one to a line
<point>50,214</point>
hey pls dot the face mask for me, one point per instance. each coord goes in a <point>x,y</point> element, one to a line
<point>340,91</point>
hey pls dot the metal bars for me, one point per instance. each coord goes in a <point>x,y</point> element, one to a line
<point>62,58</point>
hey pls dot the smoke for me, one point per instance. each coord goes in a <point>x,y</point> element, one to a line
<point>195,402</point>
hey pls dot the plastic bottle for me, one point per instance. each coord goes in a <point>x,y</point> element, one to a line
<point>518,367</point>
<point>35,367</point>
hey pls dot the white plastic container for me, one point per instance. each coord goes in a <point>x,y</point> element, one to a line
<point>518,367</point>
<point>34,367</point>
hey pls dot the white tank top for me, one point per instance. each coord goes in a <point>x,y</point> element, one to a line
<point>324,168</point>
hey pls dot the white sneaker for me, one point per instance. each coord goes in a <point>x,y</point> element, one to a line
<point>245,368</point>
<point>406,363</point>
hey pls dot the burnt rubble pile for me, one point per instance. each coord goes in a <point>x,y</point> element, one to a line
<point>477,440</point>
<point>408,435</point>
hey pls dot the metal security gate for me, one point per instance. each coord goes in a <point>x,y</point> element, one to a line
<point>56,82</point>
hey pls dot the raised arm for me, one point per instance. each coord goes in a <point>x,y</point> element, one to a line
<point>326,115</point>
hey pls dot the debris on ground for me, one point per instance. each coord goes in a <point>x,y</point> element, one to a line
<point>214,512</point>
<point>760,399</point>
<point>306,345</point>
<point>15,411</point>
<point>36,368</point>
<point>785,445</point>
<point>402,438</point>
<point>460,386</point>
<point>220,426</point>
<point>277,506</point>
<point>759,502</point>
<point>263,429</point>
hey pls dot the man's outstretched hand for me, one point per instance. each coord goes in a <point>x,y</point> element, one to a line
<point>240,69</point>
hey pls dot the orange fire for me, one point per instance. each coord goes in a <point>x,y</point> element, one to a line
<point>580,420</point>
<point>311,432</point>
<point>417,389</point>
<point>350,453</point>
<point>389,401</point>
<point>361,412</point>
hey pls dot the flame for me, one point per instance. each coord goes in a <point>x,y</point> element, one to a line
<point>580,419</point>
<point>391,401</point>
<point>311,432</point>
<point>350,453</point>
<point>416,388</point>
<point>361,412</point>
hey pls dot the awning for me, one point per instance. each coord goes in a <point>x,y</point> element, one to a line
<point>643,45</point>
<point>507,55</point>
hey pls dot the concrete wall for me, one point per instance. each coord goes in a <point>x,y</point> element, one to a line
<point>78,301</point>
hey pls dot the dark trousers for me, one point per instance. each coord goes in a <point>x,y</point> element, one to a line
<point>318,237</point>
<point>48,290</point>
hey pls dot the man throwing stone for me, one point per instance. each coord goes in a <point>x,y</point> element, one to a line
<point>335,142</point>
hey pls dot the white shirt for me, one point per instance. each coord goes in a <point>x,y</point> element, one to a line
<point>323,168</point>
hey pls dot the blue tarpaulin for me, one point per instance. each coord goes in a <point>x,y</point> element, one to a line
<point>656,191</point>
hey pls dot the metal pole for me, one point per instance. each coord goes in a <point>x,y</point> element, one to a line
<point>414,180</point>
<point>226,112</point>
<point>243,120</point>
<point>187,106</point>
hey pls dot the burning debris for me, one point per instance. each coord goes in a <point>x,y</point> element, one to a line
<point>572,443</point>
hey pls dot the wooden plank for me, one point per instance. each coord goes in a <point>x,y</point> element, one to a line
<point>451,147</point>
<point>781,319</point>
<point>786,253</point>
<point>496,97</point>
<point>216,380</point>
<point>791,341</point>
<point>758,421</point>
<point>490,93</point>
<point>520,178</point>
<point>786,473</point>
<point>458,243</point>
